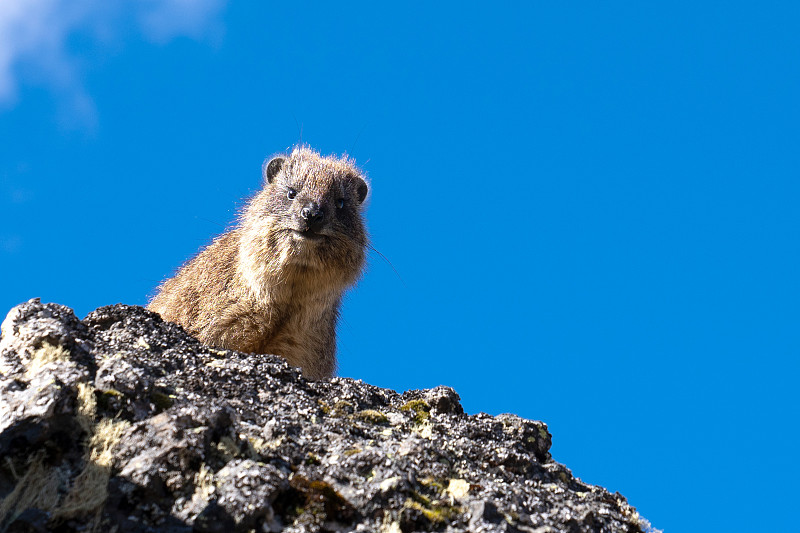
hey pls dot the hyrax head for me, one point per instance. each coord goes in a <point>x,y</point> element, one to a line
<point>316,196</point>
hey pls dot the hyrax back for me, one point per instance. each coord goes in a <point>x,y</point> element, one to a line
<point>273,284</point>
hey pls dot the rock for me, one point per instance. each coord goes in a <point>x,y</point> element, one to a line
<point>124,421</point>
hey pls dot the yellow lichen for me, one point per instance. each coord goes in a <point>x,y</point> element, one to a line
<point>41,486</point>
<point>390,483</point>
<point>90,487</point>
<point>258,444</point>
<point>420,408</point>
<point>435,512</point>
<point>324,407</point>
<point>432,484</point>
<point>104,398</point>
<point>372,416</point>
<point>227,448</point>
<point>264,446</point>
<point>388,524</point>
<point>204,482</point>
<point>312,459</point>
<point>343,407</point>
<point>87,406</point>
<point>38,488</point>
<point>46,354</point>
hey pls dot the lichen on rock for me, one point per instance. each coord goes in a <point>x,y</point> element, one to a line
<point>123,421</point>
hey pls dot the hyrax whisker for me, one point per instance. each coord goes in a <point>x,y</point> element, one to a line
<point>368,245</point>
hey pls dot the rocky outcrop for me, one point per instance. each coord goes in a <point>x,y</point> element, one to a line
<point>123,422</point>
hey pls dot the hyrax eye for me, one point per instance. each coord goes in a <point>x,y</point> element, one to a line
<point>340,203</point>
<point>291,193</point>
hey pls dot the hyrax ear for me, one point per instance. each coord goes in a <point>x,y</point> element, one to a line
<point>361,190</point>
<point>271,168</point>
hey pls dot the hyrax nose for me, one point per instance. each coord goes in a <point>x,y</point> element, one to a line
<point>313,215</point>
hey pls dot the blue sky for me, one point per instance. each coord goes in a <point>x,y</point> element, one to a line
<point>592,207</point>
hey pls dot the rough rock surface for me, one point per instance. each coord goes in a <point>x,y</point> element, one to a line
<point>123,422</point>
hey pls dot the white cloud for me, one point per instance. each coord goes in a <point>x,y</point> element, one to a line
<point>161,20</point>
<point>34,35</point>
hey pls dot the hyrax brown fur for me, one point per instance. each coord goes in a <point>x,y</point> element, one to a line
<point>273,283</point>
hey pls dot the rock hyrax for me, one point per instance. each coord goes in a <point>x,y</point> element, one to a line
<point>273,283</point>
